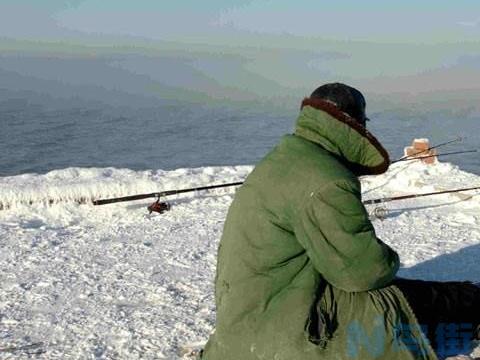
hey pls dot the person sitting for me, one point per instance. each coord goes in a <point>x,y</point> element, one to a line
<point>301,273</point>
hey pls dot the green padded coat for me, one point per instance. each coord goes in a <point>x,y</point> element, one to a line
<point>301,273</point>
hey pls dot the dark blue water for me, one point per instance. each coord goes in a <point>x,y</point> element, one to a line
<point>36,138</point>
<point>397,129</point>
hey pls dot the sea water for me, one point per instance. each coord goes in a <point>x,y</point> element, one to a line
<point>36,139</point>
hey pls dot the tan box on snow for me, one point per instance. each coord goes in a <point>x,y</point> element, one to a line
<point>420,149</point>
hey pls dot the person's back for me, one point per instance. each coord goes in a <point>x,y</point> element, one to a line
<point>263,272</point>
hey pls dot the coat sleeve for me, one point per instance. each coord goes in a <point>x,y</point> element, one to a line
<point>340,240</point>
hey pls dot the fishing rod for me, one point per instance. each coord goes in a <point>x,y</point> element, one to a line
<point>457,139</point>
<point>411,196</point>
<point>158,195</point>
<point>381,212</point>
<point>161,206</point>
<point>429,156</point>
<point>161,194</point>
<point>175,192</point>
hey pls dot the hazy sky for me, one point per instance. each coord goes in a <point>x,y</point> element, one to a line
<point>407,46</point>
<point>371,20</point>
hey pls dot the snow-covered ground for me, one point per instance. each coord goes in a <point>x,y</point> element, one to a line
<point>113,282</point>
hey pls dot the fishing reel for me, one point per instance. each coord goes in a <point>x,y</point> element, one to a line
<point>380,212</point>
<point>159,206</point>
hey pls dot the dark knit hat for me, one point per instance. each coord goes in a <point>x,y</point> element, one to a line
<point>346,98</point>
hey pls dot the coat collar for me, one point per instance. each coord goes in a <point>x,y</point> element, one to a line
<point>322,122</point>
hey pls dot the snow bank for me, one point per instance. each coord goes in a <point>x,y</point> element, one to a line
<point>82,185</point>
<point>112,281</point>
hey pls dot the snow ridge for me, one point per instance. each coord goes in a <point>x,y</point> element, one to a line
<point>83,185</point>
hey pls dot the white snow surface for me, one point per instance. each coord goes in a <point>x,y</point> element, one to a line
<point>113,282</point>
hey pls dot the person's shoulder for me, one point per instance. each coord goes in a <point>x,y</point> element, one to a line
<point>317,161</point>
<point>298,161</point>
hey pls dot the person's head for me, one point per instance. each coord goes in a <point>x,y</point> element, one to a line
<point>346,98</point>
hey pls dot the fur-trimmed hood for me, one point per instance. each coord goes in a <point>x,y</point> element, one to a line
<point>322,122</point>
